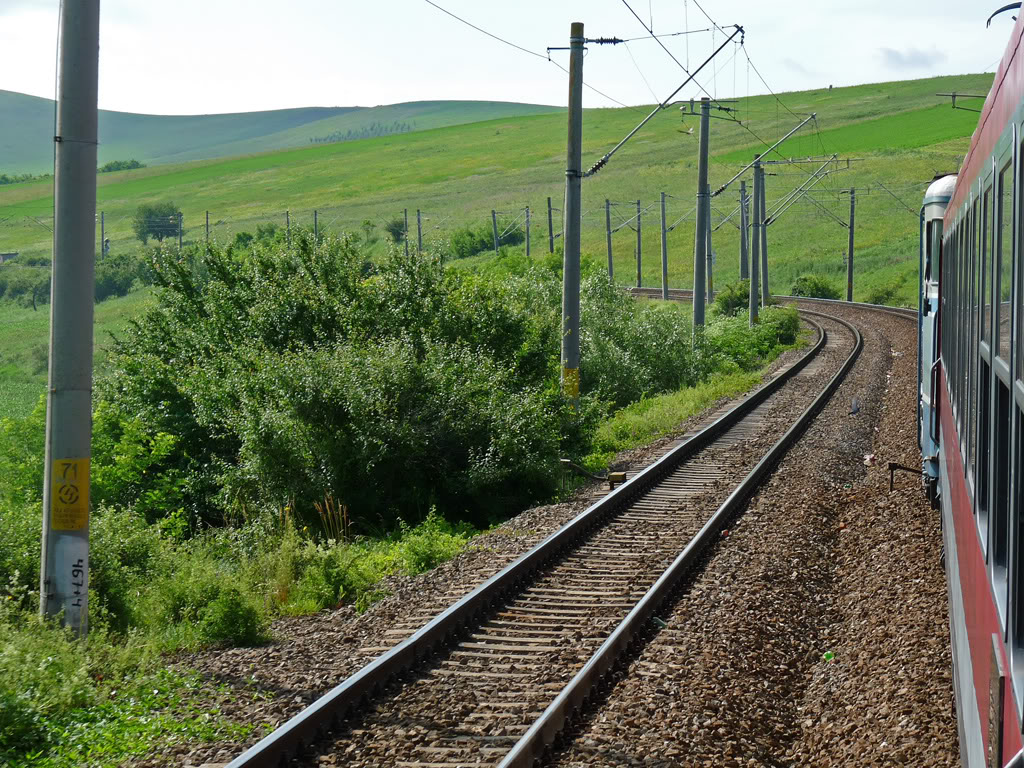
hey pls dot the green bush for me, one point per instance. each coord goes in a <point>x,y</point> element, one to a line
<point>203,601</point>
<point>814,286</point>
<point>467,241</point>
<point>733,298</point>
<point>118,273</point>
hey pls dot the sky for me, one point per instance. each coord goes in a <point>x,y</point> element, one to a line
<point>213,56</point>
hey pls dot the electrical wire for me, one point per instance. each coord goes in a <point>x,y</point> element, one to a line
<point>524,50</point>
<point>640,72</point>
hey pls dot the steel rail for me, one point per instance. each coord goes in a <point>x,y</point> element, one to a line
<point>327,712</point>
<point>575,695</point>
<point>686,293</point>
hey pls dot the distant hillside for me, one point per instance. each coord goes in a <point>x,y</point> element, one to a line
<point>26,125</point>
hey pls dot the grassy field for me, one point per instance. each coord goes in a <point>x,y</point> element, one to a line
<point>26,127</point>
<point>24,338</point>
<point>899,133</point>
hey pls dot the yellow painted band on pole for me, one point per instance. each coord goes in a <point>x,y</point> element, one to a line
<point>69,496</point>
<point>571,382</point>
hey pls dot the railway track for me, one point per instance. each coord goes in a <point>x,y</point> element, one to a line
<point>494,678</point>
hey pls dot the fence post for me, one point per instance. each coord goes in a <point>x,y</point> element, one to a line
<point>288,226</point>
<point>405,214</point>
<point>316,227</point>
<point>207,226</point>
<point>494,226</point>
<point>419,232</point>
<point>551,231</point>
<point>181,218</point>
<point>527,231</point>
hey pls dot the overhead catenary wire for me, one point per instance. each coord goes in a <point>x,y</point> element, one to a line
<point>524,50</point>
<point>601,163</point>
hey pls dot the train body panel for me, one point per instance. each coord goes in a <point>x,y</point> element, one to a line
<point>971,412</point>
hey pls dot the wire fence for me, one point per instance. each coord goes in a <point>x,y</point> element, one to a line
<point>631,229</point>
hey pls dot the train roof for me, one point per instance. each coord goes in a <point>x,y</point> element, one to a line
<point>1003,98</point>
<point>940,190</point>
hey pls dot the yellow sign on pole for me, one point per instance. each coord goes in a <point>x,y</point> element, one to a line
<point>69,497</point>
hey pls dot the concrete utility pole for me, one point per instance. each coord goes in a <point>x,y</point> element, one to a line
<point>700,242</point>
<point>405,215</point>
<point>744,243</point>
<point>639,247</point>
<point>64,575</point>
<point>755,256</point>
<point>419,231</point>
<point>664,252</point>
<point>608,237</point>
<point>494,227</point>
<point>849,258</point>
<point>551,230</point>
<point>572,216</point>
<point>765,295</point>
<point>527,231</point>
<point>710,252</point>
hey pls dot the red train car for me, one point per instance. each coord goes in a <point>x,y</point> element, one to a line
<point>971,377</point>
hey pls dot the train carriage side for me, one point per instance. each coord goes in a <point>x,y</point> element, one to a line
<point>978,398</point>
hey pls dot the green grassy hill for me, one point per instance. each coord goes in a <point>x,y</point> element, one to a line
<point>26,125</point>
<point>901,135</point>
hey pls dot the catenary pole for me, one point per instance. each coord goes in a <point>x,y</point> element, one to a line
<point>64,572</point>
<point>664,252</point>
<point>639,247</point>
<point>755,252</point>
<point>572,217</point>
<point>700,242</point>
<point>849,257</point>
<point>744,243</point>
<point>763,215</point>
<point>710,254</point>
<point>608,237</point>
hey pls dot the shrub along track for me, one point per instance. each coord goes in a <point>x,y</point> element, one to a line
<point>489,665</point>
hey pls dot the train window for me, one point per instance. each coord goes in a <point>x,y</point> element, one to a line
<point>978,253</point>
<point>1001,496</point>
<point>1004,264</point>
<point>1018,514</point>
<point>985,271</point>
<point>980,437</point>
